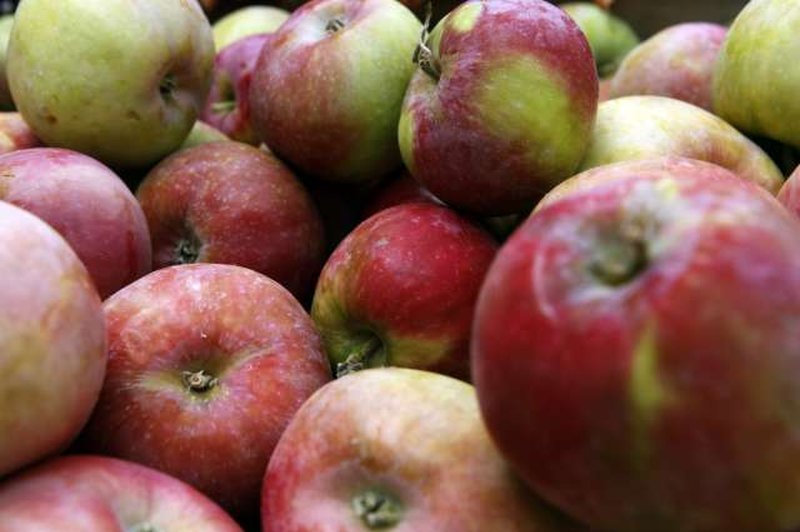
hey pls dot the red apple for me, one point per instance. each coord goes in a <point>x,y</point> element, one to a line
<point>94,493</point>
<point>52,341</point>
<point>789,194</point>
<point>502,109</point>
<point>636,354</point>
<point>228,104</point>
<point>395,449</point>
<point>677,62</point>
<point>227,202</point>
<point>88,204</point>
<point>207,364</point>
<point>400,290</point>
<point>15,133</point>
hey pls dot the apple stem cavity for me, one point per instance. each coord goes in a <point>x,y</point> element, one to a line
<point>423,55</point>
<point>199,381</point>
<point>167,86</point>
<point>376,509</point>
<point>334,25</point>
<point>188,250</point>
<point>623,255</point>
<point>361,357</point>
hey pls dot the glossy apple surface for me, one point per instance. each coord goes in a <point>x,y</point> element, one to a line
<point>246,21</point>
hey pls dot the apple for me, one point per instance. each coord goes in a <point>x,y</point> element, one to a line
<point>246,21</point>
<point>228,104</point>
<point>202,133</point>
<point>643,127</point>
<point>677,62</point>
<point>501,108</point>
<point>755,85</point>
<point>6,23</point>
<point>206,365</point>
<point>99,493</point>
<point>369,452</point>
<point>88,204</point>
<point>617,329</point>
<point>120,81</point>
<point>610,37</point>
<point>789,194</point>
<point>327,88</point>
<point>15,133</point>
<point>400,290</point>
<point>227,202</point>
<point>52,341</point>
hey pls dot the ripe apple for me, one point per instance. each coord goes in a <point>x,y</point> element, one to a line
<point>88,204</point>
<point>227,202</point>
<point>502,107</point>
<point>6,23</point>
<point>52,341</point>
<point>327,89</point>
<point>99,493</point>
<point>609,36</point>
<point>677,62</point>
<point>15,133</point>
<point>755,85</point>
<point>400,290</point>
<point>636,356</point>
<point>207,364</point>
<point>789,194</point>
<point>117,80</point>
<point>202,133</point>
<point>246,21</point>
<point>228,104</point>
<point>369,452</point>
<point>642,127</point>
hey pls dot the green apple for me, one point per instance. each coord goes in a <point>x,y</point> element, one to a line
<point>118,80</point>
<point>610,37</point>
<point>6,23</point>
<point>202,133</point>
<point>246,21</point>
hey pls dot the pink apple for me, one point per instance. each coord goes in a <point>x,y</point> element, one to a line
<point>15,133</point>
<point>228,104</point>
<point>677,62</point>
<point>503,108</point>
<point>395,449</point>
<point>97,493</point>
<point>789,194</point>
<point>52,341</point>
<point>88,204</point>
<point>207,364</point>
<point>636,354</point>
<point>227,202</point>
<point>400,290</point>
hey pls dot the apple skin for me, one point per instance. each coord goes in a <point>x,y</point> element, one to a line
<point>52,340</point>
<point>125,92</point>
<point>379,433</point>
<point>228,202</point>
<point>6,23</point>
<point>754,88</point>
<point>247,21</point>
<point>232,324</point>
<point>15,133</point>
<point>512,111</point>
<point>327,101</point>
<point>101,494</point>
<point>402,189</point>
<point>88,204</point>
<point>400,290</point>
<point>621,322</point>
<point>228,104</point>
<point>677,62</point>
<point>643,127</point>
<point>202,133</point>
<point>789,194</point>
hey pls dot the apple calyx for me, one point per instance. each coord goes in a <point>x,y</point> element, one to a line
<point>198,381</point>
<point>423,55</point>
<point>167,86</point>
<point>363,356</point>
<point>622,254</point>
<point>377,509</point>
<point>335,24</point>
<point>187,251</point>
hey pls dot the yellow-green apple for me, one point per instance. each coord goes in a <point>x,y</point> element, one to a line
<point>206,365</point>
<point>395,449</point>
<point>98,493</point>
<point>15,133</point>
<point>52,341</point>
<point>6,23</point>
<point>228,104</point>
<point>789,194</point>
<point>88,204</point>
<point>202,133</point>
<point>755,85</point>
<point>642,127</point>
<point>246,21</point>
<point>118,80</point>
<point>636,356</point>
<point>677,62</point>
<point>609,36</point>
<point>228,202</point>
<point>327,88</point>
<point>501,107</point>
<point>400,290</point>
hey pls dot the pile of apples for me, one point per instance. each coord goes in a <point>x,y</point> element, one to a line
<point>492,265</point>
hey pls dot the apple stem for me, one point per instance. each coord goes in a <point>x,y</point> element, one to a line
<point>223,107</point>
<point>359,358</point>
<point>376,509</point>
<point>334,25</point>
<point>198,381</point>
<point>423,55</point>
